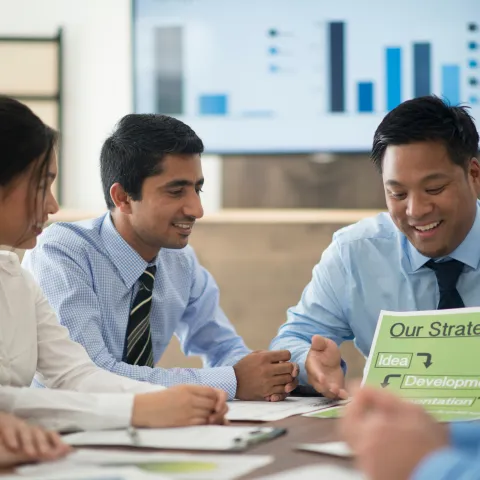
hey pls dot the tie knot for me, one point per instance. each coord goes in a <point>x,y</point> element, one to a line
<point>447,273</point>
<point>148,277</point>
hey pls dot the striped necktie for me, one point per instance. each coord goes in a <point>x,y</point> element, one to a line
<point>139,341</point>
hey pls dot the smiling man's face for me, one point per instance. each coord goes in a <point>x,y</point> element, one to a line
<point>431,199</point>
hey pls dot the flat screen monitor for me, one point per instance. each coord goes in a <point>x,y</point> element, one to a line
<point>292,76</point>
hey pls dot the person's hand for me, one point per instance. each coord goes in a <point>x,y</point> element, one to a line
<point>323,366</point>
<point>389,437</point>
<point>178,406</point>
<point>21,442</point>
<point>290,387</point>
<point>264,374</point>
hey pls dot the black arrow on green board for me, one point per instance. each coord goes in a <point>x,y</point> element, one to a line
<point>428,361</point>
<point>385,380</point>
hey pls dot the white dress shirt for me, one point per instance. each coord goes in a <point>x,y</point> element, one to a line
<point>32,340</point>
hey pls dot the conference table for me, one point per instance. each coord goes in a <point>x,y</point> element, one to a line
<point>283,449</point>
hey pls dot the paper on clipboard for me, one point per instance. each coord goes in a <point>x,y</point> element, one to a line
<point>207,437</point>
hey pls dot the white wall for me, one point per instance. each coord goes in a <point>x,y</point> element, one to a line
<point>97,85</point>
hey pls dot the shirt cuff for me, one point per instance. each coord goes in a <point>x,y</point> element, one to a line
<point>223,378</point>
<point>114,411</point>
<point>303,377</point>
<point>445,464</point>
<point>465,436</point>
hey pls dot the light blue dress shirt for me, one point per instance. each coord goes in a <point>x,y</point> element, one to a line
<point>370,266</point>
<point>90,276</point>
<point>459,462</point>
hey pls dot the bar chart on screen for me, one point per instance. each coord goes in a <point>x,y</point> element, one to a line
<point>249,76</point>
<point>394,58</point>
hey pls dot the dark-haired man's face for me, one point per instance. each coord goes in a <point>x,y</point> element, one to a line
<point>170,205</point>
<point>431,199</point>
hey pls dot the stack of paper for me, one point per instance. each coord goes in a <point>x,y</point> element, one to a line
<point>317,472</point>
<point>334,411</point>
<point>162,465</point>
<point>271,411</point>
<point>79,472</point>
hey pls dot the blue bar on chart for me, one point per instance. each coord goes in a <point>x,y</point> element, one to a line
<point>365,96</point>
<point>213,104</point>
<point>393,63</point>
<point>451,83</point>
<point>422,80</point>
<point>336,38</point>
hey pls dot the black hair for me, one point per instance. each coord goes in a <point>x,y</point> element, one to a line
<point>428,118</point>
<point>24,140</point>
<point>136,148</point>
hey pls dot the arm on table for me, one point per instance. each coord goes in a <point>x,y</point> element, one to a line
<point>319,311</point>
<point>64,364</point>
<point>77,307</point>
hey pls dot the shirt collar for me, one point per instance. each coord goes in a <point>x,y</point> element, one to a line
<point>129,263</point>
<point>10,263</point>
<point>468,252</point>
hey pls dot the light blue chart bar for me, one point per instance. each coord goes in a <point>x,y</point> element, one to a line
<point>451,83</point>
<point>213,104</point>
<point>393,60</point>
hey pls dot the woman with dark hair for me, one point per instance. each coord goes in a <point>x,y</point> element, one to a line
<point>32,340</point>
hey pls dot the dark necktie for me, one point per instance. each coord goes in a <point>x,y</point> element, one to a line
<point>138,349</point>
<point>447,276</point>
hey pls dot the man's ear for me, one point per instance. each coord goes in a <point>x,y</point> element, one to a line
<point>120,198</point>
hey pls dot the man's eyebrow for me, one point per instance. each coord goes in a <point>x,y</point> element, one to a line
<point>393,183</point>
<point>183,183</point>
<point>435,176</point>
<point>427,178</point>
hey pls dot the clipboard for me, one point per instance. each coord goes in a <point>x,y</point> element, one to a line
<point>263,434</point>
<point>203,438</point>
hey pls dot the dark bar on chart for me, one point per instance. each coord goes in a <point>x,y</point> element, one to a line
<point>169,70</point>
<point>451,84</point>
<point>365,96</point>
<point>393,64</point>
<point>213,104</point>
<point>336,34</point>
<point>422,69</point>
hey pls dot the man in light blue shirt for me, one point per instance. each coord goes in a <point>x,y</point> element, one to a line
<point>397,440</point>
<point>125,282</point>
<point>425,151</point>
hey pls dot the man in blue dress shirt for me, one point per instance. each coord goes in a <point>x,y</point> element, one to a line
<point>125,282</point>
<point>397,440</point>
<point>423,254</point>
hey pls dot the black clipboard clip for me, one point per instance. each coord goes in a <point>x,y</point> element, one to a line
<point>259,435</point>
